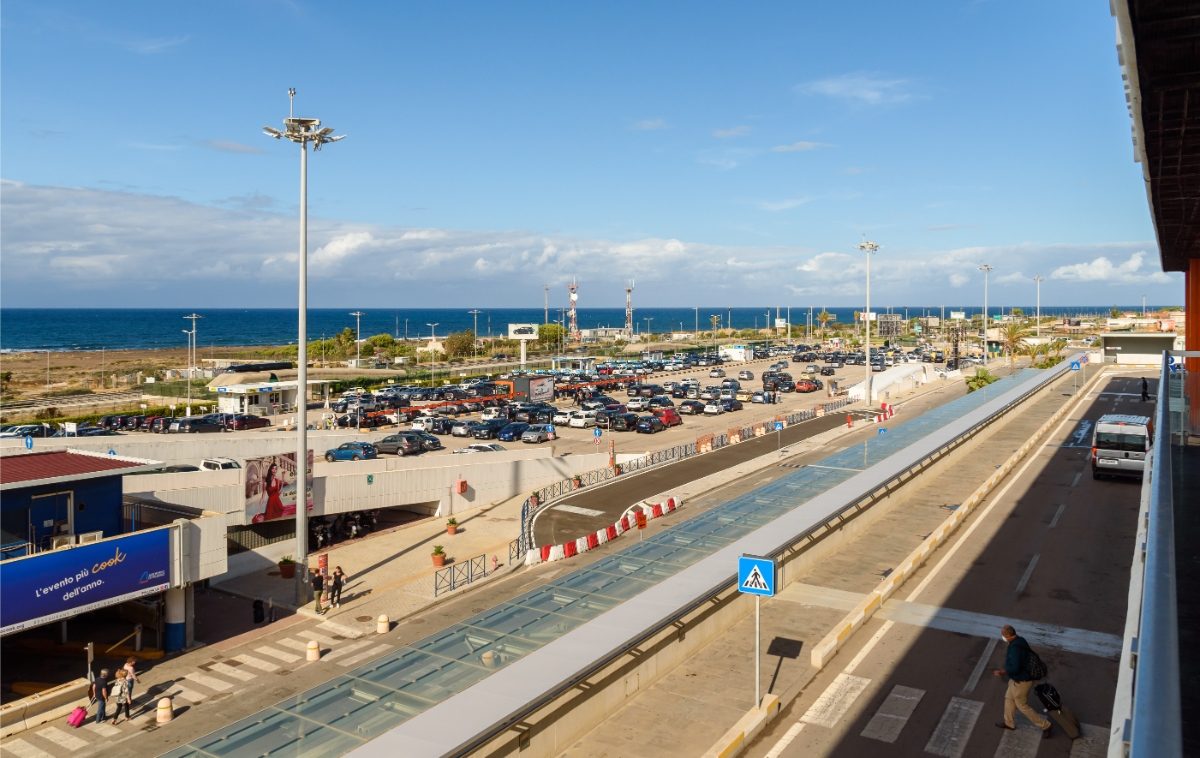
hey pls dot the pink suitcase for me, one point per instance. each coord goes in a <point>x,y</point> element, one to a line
<point>77,717</point>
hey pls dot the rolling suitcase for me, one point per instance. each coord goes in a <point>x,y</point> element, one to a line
<point>1052,702</point>
<point>77,717</point>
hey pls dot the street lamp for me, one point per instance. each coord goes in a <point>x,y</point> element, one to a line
<point>1038,278</point>
<point>302,131</point>
<point>870,248</point>
<point>358,338</point>
<point>648,320</point>
<point>986,268</point>
<point>475,334</point>
<point>432,339</point>
<point>697,321</point>
<point>191,355</point>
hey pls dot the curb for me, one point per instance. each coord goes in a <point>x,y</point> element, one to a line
<point>571,548</point>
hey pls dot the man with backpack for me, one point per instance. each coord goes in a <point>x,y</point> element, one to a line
<point>1023,667</point>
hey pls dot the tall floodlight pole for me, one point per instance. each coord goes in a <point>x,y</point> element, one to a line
<point>432,339</point>
<point>191,356</point>
<point>302,131</point>
<point>475,335</point>
<point>697,322</point>
<point>870,248</point>
<point>358,338</point>
<point>1038,279</point>
<point>545,303</point>
<point>986,268</point>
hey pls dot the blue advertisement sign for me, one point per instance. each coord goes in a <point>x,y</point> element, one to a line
<point>62,583</point>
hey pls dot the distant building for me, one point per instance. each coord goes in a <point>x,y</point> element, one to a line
<point>889,324</point>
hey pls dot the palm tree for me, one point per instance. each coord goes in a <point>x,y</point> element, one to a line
<point>1012,339</point>
<point>823,318</point>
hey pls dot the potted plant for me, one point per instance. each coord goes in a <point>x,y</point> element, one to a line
<point>533,499</point>
<point>577,481</point>
<point>287,567</point>
<point>451,525</point>
<point>439,556</point>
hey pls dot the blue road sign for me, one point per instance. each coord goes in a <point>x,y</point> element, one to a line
<point>756,576</point>
<point>881,431</point>
<point>596,432</point>
<point>779,426</point>
<point>112,451</point>
<point>1075,366</point>
<point>28,441</point>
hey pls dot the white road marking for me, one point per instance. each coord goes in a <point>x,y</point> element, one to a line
<point>1021,742</point>
<point>285,657</point>
<point>233,671</point>
<point>835,701</point>
<point>893,714</point>
<point>980,665</point>
<point>348,648</point>
<point>791,734</point>
<point>833,468</point>
<point>577,509</point>
<point>104,730</point>
<point>370,652</point>
<point>187,694</point>
<point>1092,742</point>
<point>61,738</point>
<point>1057,515</point>
<point>211,682</point>
<point>295,644</point>
<point>313,635</point>
<point>257,663</point>
<point>1028,573</point>
<point>950,737</point>
<point>1075,481</point>
<point>23,749</point>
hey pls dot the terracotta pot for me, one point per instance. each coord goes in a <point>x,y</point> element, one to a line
<point>439,560</point>
<point>287,570</point>
<point>451,528</point>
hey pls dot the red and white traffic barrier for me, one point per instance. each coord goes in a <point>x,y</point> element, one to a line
<point>627,521</point>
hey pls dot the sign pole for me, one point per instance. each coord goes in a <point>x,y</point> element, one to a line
<point>757,653</point>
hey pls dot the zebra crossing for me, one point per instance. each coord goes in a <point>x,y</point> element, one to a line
<point>960,716</point>
<point>217,677</point>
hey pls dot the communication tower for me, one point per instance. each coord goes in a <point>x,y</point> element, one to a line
<point>573,316</point>
<point>629,311</point>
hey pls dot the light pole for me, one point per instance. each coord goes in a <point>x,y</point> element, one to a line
<point>986,268</point>
<point>870,248</point>
<point>789,326</point>
<point>47,370</point>
<point>432,339</point>
<point>697,322</point>
<point>406,330</point>
<point>1038,279</point>
<point>191,355</point>
<point>475,335</point>
<point>189,372</point>
<point>302,131</point>
<point>648,320</point>
<point>358,338</point>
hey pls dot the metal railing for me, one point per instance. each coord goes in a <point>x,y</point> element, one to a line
<point>1153,725</point>
<point>459,574</point>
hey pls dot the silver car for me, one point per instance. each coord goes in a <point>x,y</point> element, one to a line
<point>538,433</point>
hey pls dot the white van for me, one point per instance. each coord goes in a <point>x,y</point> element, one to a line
<point>1119,445</point>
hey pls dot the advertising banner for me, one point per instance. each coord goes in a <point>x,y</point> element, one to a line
<point>271,487</point>
<point>62,583</point>
<point>541,389</point>
<point>522,331</point>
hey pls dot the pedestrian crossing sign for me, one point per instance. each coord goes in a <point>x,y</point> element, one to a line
<point>756,576</point>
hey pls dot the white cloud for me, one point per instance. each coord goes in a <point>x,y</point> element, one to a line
<point>958,280</point>
<point>1101,269</point>
<point>649,125</point>
<point>797,147</point>
<point>862,88</point>
<point>735,131</point>
<point>226,146</point>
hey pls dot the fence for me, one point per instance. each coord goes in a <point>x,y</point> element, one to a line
<point>460,574</point>
<point>541,499</point>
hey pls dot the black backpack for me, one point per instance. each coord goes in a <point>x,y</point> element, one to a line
<point>1035,667</point>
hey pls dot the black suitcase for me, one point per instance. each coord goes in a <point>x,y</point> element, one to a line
<point>1052,702</point>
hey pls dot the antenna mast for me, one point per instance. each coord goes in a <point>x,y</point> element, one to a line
<point>629,311</point>
<point>573,323</point>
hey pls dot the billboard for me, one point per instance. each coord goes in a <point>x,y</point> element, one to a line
<point>271,487</point>
<point>541,389</point>
<point>958,315</point>
<point>522,331</point>
<point>63,583</point>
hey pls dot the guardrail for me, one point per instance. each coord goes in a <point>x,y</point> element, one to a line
<point>459,574</point>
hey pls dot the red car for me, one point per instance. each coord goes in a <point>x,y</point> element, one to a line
<point>245,421</point>
<point>668,416</point>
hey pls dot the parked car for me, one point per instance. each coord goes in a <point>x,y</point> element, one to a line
<point>668,416</point>
<point>638,403</point>
<point>730,404</point>
<point>486,430</point>
<point>691,407</point>
<point>828,371</point>
<point>194,425</point>
<point>649,425</point>
<point>582,419</point>
<point>660,401</point>
<point>512,431</point>
<point>623,422</point>
<point>538,433</point>
<point>481,447</point>
<point>464,428</point>
<point>132,423</point>
<point>243,421</point>
<point>219,464</point>
<point>714,408</point>
<point>403,443</point>
<point>716,372</point>
<point>561,417</point>
<point>745,375</point>
<point>758,397</point>
<point>161,425</point>
<point>351,451</point>
<point>428,440</point>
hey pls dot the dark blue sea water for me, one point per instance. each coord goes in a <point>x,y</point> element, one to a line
<point>57,329</point>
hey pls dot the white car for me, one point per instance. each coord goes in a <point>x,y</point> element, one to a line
<point>218,464</point>
<point>638,403</point>
<point>492,413</point>
<point>423,423</point>
<point>713,409</point>
<point>562,417</point>
<point>582,419</point>
<point>481,447</point>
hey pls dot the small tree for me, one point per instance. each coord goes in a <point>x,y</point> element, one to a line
<point>460,344</point>
<point>823,318</point>
<point>550,335</point>
<point>981,379</point>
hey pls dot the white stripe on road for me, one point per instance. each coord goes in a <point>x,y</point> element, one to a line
<point>1021,742</point>
<point>980,665</point>
<point>285,657</point>
<point>835,701</point>
<point>23,749</point>
<point>187,694</point>
<point>348,648</point>
<point>1057,515</point>
<point>791,734</point>
<point>61,738</point>
<point>313,635</point>
<point>577,509</point>
<point>232,671</point>
<point>295,644</point>
<point>950,737</point>
<point>1092,742</point>
<point>369,653</point>
<point>104,730</point>
<point>893,714</point>
<point>1075,481</point>
<point>1028,573</point>
<point>211,682</point>
<point>257,663</point>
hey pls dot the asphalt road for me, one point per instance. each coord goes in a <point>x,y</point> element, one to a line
<point>1052,558</point>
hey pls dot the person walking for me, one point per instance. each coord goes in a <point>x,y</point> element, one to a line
<point>131,678</point>
<point>336,583</point>
<point>1145,390</point>
<point>1020,682</point>
<point>100,693</point>
<point>318,585</point>
<point>121,696</point>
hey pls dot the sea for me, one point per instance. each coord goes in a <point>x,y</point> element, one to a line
<point>66,329</point>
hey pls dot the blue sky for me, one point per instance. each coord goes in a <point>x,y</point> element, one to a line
<point>713,152</point>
